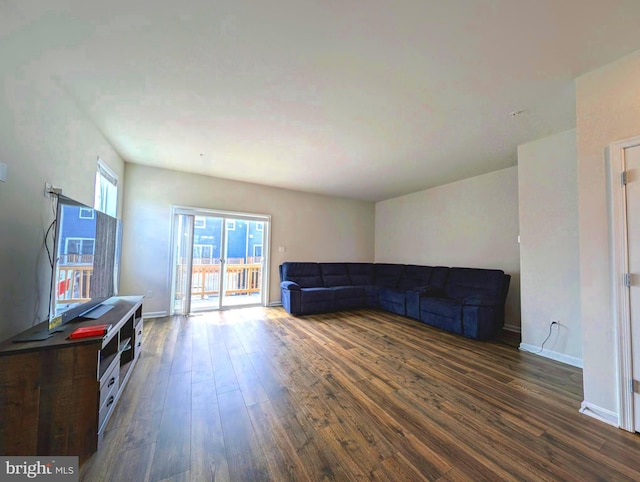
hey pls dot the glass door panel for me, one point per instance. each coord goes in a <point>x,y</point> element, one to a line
<point>206,269</point>
<point>243,266</point>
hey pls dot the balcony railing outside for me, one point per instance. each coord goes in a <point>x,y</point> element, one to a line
<point>242,279</point>
<point>74,279</point>
<point>73,283</point>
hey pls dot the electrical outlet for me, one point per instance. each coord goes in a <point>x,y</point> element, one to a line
<point>47,189</point>
<point>555,325</point>
<point>149,294</point>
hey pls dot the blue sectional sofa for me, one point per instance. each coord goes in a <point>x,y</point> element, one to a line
<point>467,301</point>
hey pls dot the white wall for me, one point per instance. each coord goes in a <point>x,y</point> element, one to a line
<point>471,223</point>
<point>608,109</point>
<point>310,226</point>
<point>44,137</point>
<point>549,254</point>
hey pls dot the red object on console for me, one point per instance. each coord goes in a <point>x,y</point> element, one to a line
<point>89,331</point>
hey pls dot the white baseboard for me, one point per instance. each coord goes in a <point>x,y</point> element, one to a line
<point>154,314</point>
<point>512,328</point>
<point>274,304</point>
<point>599,413</point>
<point>553,355</point>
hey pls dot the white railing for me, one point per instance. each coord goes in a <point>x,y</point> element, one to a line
<point>241,279</point>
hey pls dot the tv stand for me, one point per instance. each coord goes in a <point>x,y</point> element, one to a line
<point>57,394</point>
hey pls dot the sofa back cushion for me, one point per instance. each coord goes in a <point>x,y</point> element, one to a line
<point>387,274</point>
<point>439,276</point>
<point>414,277</point>
<point>307,275</point>
<point>361,273</point>
<point>463,282</point>
<point>335,274</point>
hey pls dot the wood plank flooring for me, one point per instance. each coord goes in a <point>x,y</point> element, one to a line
<point>255,394</point>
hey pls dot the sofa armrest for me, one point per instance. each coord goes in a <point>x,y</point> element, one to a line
<point>481,300</point>
<point>290,285</point>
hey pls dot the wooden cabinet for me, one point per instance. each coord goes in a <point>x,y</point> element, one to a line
<point>56,396</point>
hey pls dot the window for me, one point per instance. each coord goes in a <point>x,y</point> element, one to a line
<point>259,226</point>
<point>79,246</point>
<point>202,251</point>
<point>86,213</point>
<point>231,225</point>
<point>106,193</point>
<point>77,251</point>
<point>257,250</point>
<point>200,222</point>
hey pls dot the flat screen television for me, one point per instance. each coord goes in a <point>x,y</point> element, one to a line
<point>86,260</point>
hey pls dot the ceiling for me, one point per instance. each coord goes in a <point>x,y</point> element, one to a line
<point>363,99</point>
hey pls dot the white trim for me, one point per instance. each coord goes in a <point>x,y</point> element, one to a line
<point>274,304</point>
<point>553,355</point>
<point>614,156</point>
<point>154,314</point>
<point>512,328</point>
<point>599,413</point>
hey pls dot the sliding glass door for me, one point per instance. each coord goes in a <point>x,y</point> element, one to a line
<point>219,260</point>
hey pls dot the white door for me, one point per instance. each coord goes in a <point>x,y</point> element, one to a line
<point>632,168</point>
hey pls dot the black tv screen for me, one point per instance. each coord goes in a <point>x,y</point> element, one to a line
<point>85,260</point>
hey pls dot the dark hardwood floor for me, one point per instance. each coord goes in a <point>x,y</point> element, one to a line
<point>255,394</point>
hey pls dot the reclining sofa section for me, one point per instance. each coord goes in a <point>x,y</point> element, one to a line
<point>467,301</point>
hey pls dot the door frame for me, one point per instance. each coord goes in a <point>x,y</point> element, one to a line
<point>266,251</point>
<point>615,156</point>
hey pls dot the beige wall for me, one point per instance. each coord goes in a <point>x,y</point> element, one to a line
<point>608,109</point>
<point>44,137</point>
<point>549,258</point>
<point>311,227</point>
<point>471,223</point>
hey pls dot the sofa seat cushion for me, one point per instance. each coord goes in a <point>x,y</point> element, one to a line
<point>348,297</point>
<point>442,313</point>
<point>342,292</point>
<point>316,300</point>
<point>371,296</point>
<point>393,300</point>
